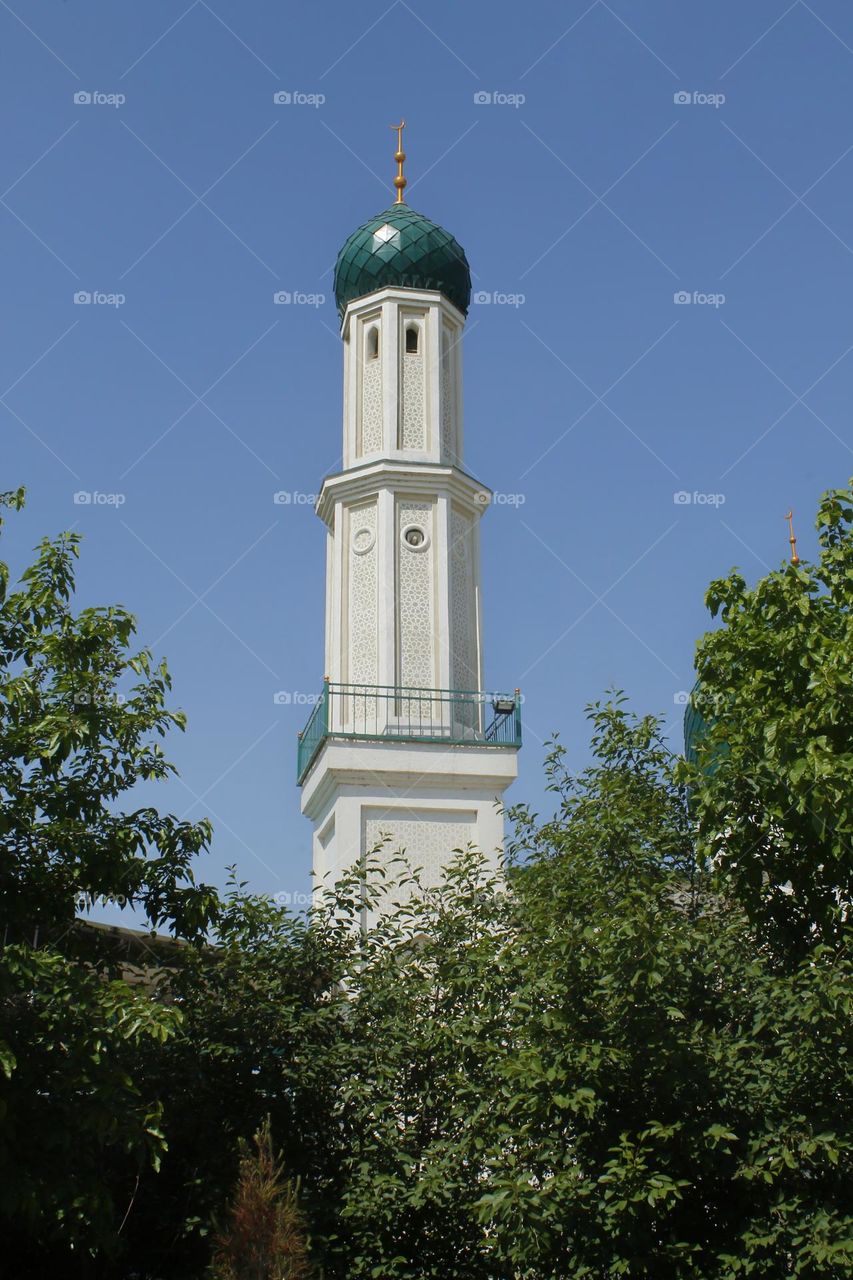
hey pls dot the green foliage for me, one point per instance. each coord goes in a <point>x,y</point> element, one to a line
<point>70,1103</point>
<point>80,720</point>
<point>262,1019</point>
<point>776,812</point>
<point>264,1238</point>
<point>81,715</point>
<point>584,1067</point>
<point>591,1071</point>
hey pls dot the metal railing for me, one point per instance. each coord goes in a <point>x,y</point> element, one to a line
<point>456,717</point>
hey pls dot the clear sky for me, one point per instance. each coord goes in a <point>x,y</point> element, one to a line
<point>628,153</point>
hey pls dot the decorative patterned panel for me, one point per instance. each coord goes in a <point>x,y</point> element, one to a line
<point>413,409</point>
<point>363,646</point>
<point>427,841</point>
<point>415,626</point>
<point>448,395</point>
<point>371,404</point>
<point>463,634</point>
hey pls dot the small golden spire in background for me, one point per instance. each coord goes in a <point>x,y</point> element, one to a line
<point>795,559</point>
<point>399,156</point>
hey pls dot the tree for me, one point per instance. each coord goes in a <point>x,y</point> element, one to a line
<point>80,719</point>
<point>592,1070</point>
<point>264,1238</point>
<point>774,795</point>
<point>263,1018</point>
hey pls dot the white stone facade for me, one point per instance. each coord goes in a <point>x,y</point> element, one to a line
<point>403,605</point>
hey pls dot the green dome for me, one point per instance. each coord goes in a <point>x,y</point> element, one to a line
<point>695,727</point>
<point>404,249</point>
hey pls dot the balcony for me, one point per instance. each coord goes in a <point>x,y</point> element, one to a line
<point>387,713</point>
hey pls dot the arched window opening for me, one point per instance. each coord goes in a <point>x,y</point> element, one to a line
<point>372,343</point>
<point>412,339</point>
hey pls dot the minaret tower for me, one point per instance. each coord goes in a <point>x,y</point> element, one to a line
<point>403,741</point>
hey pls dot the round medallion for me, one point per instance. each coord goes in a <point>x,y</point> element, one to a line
<point>363,540</point>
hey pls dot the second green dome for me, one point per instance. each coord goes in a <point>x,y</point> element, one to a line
<point>404,249</point>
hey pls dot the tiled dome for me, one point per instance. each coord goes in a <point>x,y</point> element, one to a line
<point>404,249</point>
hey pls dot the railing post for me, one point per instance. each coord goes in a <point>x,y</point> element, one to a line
<point>517,716</point>
<point>325,712</point>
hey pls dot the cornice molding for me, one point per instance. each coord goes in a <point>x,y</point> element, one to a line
<point>405,477</point>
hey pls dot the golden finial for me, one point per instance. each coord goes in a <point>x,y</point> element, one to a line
<point>399,156</point>
<point>795,559</point>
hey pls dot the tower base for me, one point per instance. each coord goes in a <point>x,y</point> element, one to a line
<point>427,798</point>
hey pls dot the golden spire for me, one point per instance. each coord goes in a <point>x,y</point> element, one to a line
<point>399,156</point>
<point>795,559</point>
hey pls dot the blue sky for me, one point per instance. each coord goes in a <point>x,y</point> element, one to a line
<point>628,153</point>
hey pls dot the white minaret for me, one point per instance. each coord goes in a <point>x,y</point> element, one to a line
<point>403,742</point>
